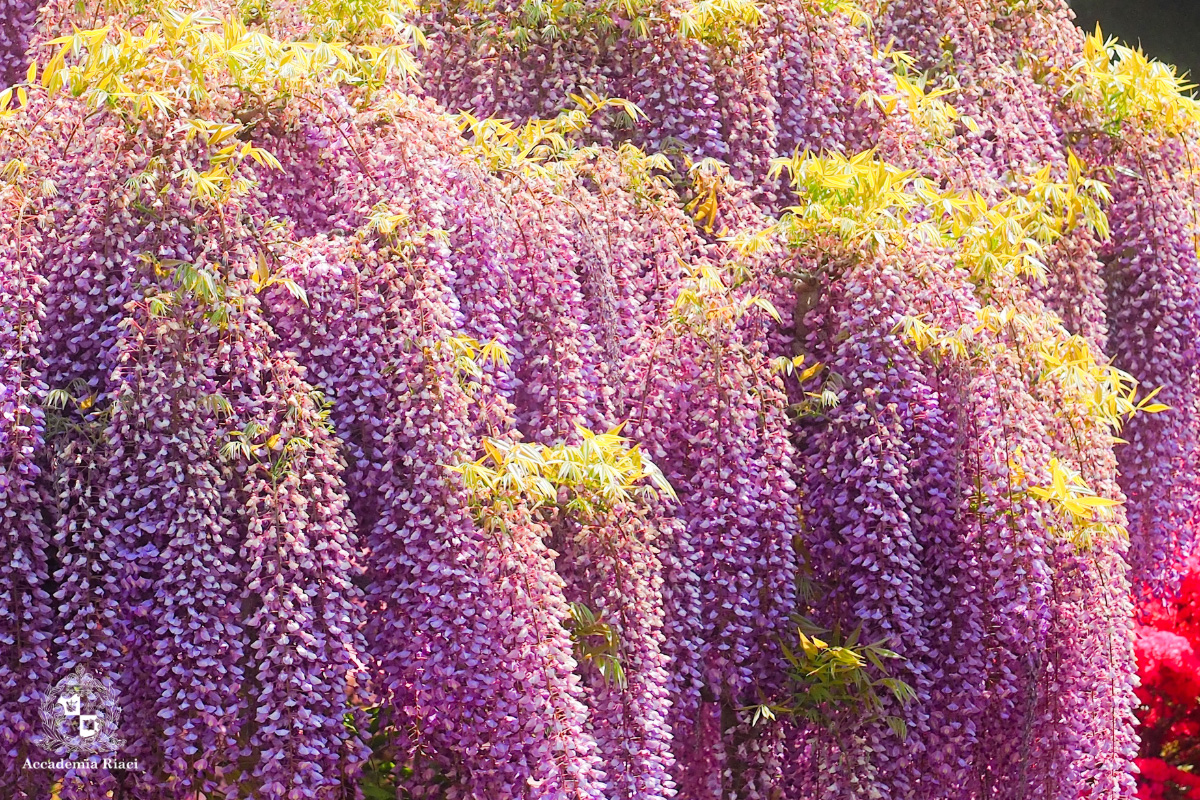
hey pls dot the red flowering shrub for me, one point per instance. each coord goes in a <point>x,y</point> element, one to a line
<point>1168,653</point>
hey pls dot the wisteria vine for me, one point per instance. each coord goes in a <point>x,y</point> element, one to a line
<point>612,400</point>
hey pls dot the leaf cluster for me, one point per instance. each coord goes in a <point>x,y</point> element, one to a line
<point>557,20</point>
<point>1109,394</point>
<point>78,408</point>
<point>720,23</point>
<point>1084,516</point>
<point>361,22</point>
<point>597,643</point>
<point>177,64</point>
<point>599,473</point>
<point>194,283</point>
<point>862,203</point>
<point>1124,88</point>
<point>255,444</point>
<point>926,108</point>
<point>708,299</point>
<point>837,679</point>
<point>549,147</point>
<point>471,359</point>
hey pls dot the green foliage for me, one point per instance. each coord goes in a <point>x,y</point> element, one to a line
<point>708,178</point>
<point>596,475</point>
<point>361,21</point>
<point>548,148</point>
<point>191,76</point>
<point>263,278</point>
<point>7,109</point>
<point>224,179</point>
<point>1109,394</point>
<point>838,681</point>
<point>596,643</point>
<point>383,773</point>
<point>707,299</point>
<point>552,20</point>
<point>717,23</point>
<point>254,443</point>
<point>179,63</point>
<point>470,358</point>
<point>75,409</point>
<point>1128,91</point>
<point>928,111</point>
<point>1083,516</point>
<point>721,23</point>
<point>861,203</point>
<point>196,287</point>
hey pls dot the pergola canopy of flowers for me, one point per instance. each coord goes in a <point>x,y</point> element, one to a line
<point>602,399</point>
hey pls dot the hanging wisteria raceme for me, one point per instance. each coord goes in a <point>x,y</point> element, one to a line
<point>1153,277</point>
<point>88,597</point>
<point>741,85</point>
<point>27,630</point>
<point>868,524</point>
<point>827,66</point>
<point>90,278</point>
<point>411,506</point>
<point>536,87</point>
<point>886,484</point>
<point>1007,419</point>
<point>1152,230</point>
<point>565,381</point>
<point>1142,332</point>
<point>485,598</point>
<point>478,674</point>
<point>1075,288</point>
<point>553,391</point>
<point>612,569</point>
<point>1091,634</point>
<point>548,403</point>
<point>174,529</point>
<point>738,533</point>
<point>303,614</point>
<point>1032,616</point>
<point>944,34</point>
<point>18,19</point>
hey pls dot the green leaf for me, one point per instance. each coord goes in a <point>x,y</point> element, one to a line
<point>376,792</point>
